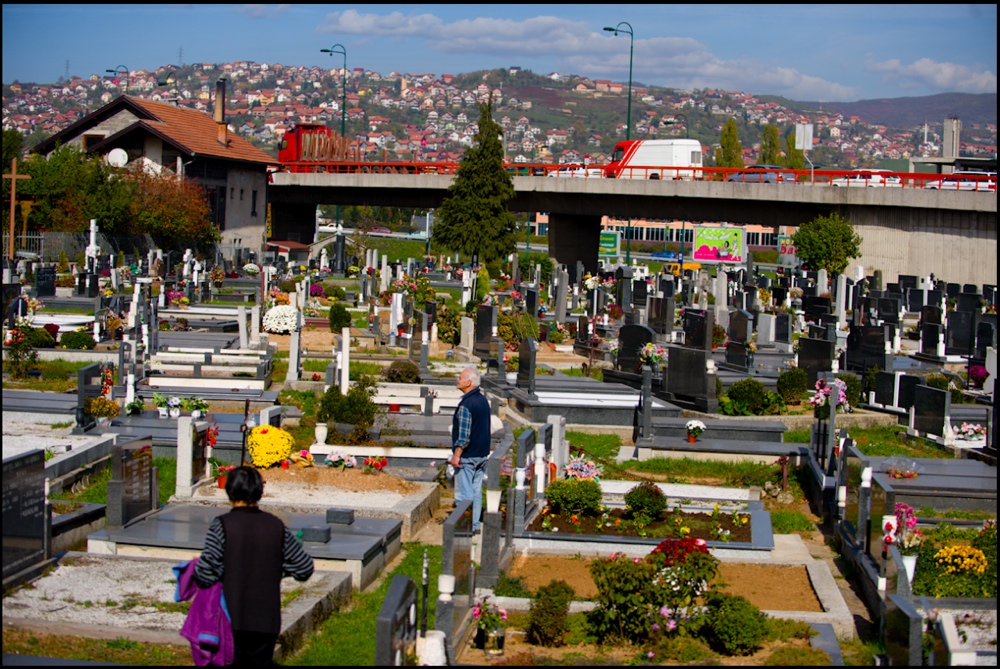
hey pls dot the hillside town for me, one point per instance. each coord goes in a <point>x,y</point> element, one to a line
<point>553,118</point>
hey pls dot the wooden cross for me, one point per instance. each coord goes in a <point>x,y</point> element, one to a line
<point>13,176</point>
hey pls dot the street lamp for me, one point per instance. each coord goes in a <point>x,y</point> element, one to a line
<point>115,72</point>
<point>631,42</point>
<point>343,96</point>
<point>628,118</point>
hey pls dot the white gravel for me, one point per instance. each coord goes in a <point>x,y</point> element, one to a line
<point>97,590</point>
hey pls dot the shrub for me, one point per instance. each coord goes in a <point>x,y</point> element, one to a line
<point>449,325</point>
<point>941,382</point>
<point>751,393</point>
<point>402,371</point>
<point>52,329</point>
<point>39,338</point>
<point>269,445</point>
<point>792,384</point>
<point>575,495</point>
<point>340,318</point>
<point>735,624</point>
<point>355,408</point>
<point>335,292</point>
<point>482,284</point>
<point>511,586</point>
<point>646,499</point>
<point>287,286</point>
<point>63,265</point>
<point>853,388</point>
<point>78,340</point>
<point>547,615</point>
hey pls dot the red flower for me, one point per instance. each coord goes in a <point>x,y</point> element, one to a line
<point>284,464</point>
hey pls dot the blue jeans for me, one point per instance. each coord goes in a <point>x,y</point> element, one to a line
<point>469,485</point>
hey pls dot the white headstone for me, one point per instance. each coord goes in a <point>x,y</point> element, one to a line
<point>345,359</point>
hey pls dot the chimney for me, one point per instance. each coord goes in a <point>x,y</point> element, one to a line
<point>220,111</point>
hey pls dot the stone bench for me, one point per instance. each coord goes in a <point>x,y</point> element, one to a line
<point>720,449</point>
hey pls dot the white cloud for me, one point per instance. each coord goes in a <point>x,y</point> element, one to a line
<point>946,77</point>
<point>678,62</point>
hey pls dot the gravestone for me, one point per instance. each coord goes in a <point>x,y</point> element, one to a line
<point>815,356</point>
<point>45,282</point>
<point>930,412</point>
<point>25,518</point>
<point>631,339</point>
<point>640,289</point>
<point>687,381</point>
<point>969,302</point>
<point>766,330</point>
<point>738,356</point>
<point>931,314</point>
<point>952,290</point>
<point>660,314</point>
<point>698,326</point>
<point>531,301</point>
<point>88,387</point>
<point>131,488</point>
<point>526,365</point>
<point>740,326</point>
<point>623,288</point>
<point>932,339</point>
<point>486,323</point>
<point>562,290</point>
<point>960,335</point>
<point>667,285</point>
<point>583,330</point>
<point>866,348</point>
<point>986,336</point>
<point>396,625</point>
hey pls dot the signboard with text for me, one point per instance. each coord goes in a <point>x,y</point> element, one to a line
<point>786,251</point>
<point>610,244</point>
<point>719,245</point>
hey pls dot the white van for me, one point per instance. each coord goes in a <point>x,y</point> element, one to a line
<point>669,159</point>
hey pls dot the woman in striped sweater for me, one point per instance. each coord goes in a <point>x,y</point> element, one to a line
<point>250,551</point>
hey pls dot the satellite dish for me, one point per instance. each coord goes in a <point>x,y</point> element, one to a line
<point>117,157</point>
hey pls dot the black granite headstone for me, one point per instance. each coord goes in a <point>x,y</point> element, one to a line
<point>907,386</point>
<point>783,329</point>
<point>24,515</point>
<point>526,365</point>
<point>969,302</point>
<point>885,388</point>
<point>740,326</point>
<point>396,625</point>
<point>960,336</point>
<point>639,291</point>
<point>45,282</point>
<point>952,290</point>
<point>930,336</point>
<point>815,356</point>
<point>696,329</point>
<point>623,288</point>
<point>631,338</point>
<point>866,348</point>
<point>660,316</point>
<point>931,314</point>
<point>930,409</point>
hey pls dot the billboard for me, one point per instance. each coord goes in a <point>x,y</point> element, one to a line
<point>609,244</point>
<point>719,245</point>
<point>786,252</point>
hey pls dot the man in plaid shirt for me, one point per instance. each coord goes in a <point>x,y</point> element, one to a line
<point>470,438</point>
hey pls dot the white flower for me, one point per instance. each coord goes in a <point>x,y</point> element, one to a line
<point>251,269</point>
<point>281,319</point>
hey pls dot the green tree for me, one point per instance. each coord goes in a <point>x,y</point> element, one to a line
<point>731,152</point>
<point>11,148</point>
<point>827,242</point>
<point>770,147</point>
<point>795,159</point>
<point>473,217</point>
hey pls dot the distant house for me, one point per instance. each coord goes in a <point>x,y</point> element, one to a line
<point>170,140</point>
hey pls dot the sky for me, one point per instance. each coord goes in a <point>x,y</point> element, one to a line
<point>803,52</point>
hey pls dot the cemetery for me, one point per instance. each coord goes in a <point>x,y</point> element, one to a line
<point>337,380</point>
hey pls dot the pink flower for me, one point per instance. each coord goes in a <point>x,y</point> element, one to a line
<point>671,625</point>
<point>503,615</point>
<point>656,627</point>
<point>651,655</point>
<point>699,542</point>
<point>664,611</point>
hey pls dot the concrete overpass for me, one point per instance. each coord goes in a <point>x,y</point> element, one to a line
<point>905,230</point>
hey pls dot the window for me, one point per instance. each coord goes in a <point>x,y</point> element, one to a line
<point>253,202</point>
<point>91,140</point>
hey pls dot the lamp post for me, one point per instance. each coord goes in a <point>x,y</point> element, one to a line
<point>628,118</point>
<point>343,95</point>
<point>343,102</point>
<point>631,42</point>
<point>115,72</point>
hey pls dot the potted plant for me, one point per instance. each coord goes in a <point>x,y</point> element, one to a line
<point>511,363</point>
<point>174,406</point>
<point>197,406</point>
<point>490,625</point>
<point>718,336</point>
<point>374,464</point>
<point>694,429</point>
<point>135,407</point>
<point>161,404</point>
<point>222,474</point>
<point>217,275</point>
<point>101,408</point>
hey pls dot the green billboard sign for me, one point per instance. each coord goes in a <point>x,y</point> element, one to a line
<point>610,244</point>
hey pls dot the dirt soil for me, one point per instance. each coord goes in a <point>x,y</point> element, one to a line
<point>756,582</point>
<point>351,480</point>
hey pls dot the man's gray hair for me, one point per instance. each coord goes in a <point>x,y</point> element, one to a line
<point>473,375</point>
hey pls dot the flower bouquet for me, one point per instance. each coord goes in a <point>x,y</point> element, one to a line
<point>906,536</point>
<point>302,458</point>
<point>614,311</point>
<point>217,274</point>
<point>251,269</point>
<point>342,460</point>
<point>375,464</point>
<point>820,400</point>
<point>582,469</point>
<point>971,431</point>
<point>135,406</point>
<point>695,428</point>
<point>269,446</point>
<point>101,407</point>
<point>488,616</point>
<point>281,319</point>
<point>978,375</point>
<point>652,354</point>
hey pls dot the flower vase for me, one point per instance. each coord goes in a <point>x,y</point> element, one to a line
<point>175,412</point>
<point>692,439</point>
<point>511,377</point>
<point>163,411</point>
<point>221,481</point>
<point>196,414</point>
<point>321,431</point>
<point>910,566</point>
<point>491,641</point>
<point>103,421</point>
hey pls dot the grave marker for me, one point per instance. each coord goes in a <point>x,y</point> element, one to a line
<point>25,519</point>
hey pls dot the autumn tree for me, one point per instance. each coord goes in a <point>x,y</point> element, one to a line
<point>473,218</point>
<point>731,152</point>
<point>770,147</point>
<point>827,242</point>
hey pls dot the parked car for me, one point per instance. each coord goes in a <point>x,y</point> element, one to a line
<point>665,255</point>
<point>577,172</point>
<point>870,178</point>
<point>762,174</point>
<point>966,180</point>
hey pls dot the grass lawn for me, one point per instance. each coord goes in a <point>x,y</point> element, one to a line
<point>58,376</point>
<point>881,441</point>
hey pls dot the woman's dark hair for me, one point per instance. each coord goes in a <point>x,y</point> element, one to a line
<point>244,484</point>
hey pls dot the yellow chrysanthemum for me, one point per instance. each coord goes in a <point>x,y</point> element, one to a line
<point>269,445</point>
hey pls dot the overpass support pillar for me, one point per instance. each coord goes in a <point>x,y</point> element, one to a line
<point>572,238</point>
<point>293,221</point>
